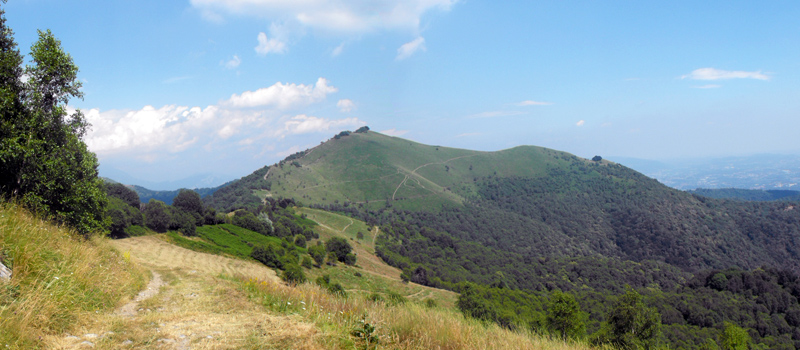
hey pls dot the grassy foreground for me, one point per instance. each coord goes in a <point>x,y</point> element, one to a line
<point>357,322</point>
<point>59,278</point>
<point>64,284</point>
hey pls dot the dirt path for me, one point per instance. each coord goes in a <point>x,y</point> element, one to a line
<point>190,304</point>
<point>414,172</point>
<point>152,289</point>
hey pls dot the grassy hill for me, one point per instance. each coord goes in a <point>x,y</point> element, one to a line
<point>373,170</point>
<point>540,220</point>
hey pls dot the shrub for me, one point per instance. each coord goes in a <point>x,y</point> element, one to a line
<point>293,274</point>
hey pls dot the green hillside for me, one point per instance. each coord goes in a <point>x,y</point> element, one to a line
<point>538,220</point>
<point>372,170</point>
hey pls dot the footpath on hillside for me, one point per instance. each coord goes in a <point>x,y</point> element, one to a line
<point>189,304</point>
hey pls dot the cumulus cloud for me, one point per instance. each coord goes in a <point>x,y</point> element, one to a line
<point>394,132</point>
<point>409,48</point>
<point>345,105</point>
<point>533,103</point>
<point>719,74</point>
<point>233,63</point>
<point>169,128</point>
<point>283,96</point>
<point>580,122</point>
<point>154,133</point>
<point>338,17</point>
<point>303,124</point>
<point>266,45</point>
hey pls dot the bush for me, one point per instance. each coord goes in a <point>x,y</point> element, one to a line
<point>307,262</point>
<point>317,253</point>
<point>340,247</point>
<point>269,255</point>
<point>350,259</point>
<point>293,274</point>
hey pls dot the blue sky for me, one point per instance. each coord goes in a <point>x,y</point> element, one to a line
<point>223,87</point>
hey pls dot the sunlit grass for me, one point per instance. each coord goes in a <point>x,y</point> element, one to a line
<point>58,278</point>
<point>404,326</point>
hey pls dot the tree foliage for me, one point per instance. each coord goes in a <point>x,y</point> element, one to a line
<point>43,161</point>
<point>124,193</point>
<point>340,247</point>
<point>734,337</point>
<point>157,216</point>
<point>630,324</point>
<point>564,316</point>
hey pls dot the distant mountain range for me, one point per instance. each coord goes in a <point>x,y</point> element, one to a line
<point>205,180</point>
<point>146,194</point>
<point>762,172</point>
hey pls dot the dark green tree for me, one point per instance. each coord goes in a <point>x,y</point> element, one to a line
<point>157,216</point>
<point>43,161</point>
<point>564,316</point>
<point>124,193</point>
<point>340,247</point>
<point>189,201</point>
<point>630,324</point>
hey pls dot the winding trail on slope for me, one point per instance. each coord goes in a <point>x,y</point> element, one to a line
<point>414,172</point>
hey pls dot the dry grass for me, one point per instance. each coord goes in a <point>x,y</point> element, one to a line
<point>407,326</point>
<point>59,278</point>
<point>155,252</point>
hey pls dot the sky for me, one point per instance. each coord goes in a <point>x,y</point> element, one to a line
<point>220,88</point>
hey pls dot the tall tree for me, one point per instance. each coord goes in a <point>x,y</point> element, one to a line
<point>564,316</point>
<point>43,161</point>
<point>630,324</point>
<point>734,337</point>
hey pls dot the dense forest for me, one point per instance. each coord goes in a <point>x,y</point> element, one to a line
<point>592,230</point>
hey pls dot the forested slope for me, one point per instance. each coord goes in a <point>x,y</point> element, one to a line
<point>540,220</point>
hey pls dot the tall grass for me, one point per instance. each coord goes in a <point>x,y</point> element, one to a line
<point>404,326</point>
<point>59,278</point>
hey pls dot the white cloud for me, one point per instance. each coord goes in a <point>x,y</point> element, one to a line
<point>394,132</point>
<point>468,134</point>
<point>533,103</point>
<point>580,122</point>
<point>337,17</point>
<point>495,114</point>
<point>303,124</point>
<point>409,48</point>
<point>717,74</point>
<point>283,96</point>
<point>170,128</point>
<point>708,86</point>
<point>154,134</point>
<point>233,62</point>
<point>266,45</point>
<point>345,105</point>
<point>338,50</point>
